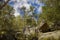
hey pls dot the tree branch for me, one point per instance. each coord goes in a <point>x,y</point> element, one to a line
<point>4,4</point>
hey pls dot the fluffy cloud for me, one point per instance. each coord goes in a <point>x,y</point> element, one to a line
<point>26,3</point>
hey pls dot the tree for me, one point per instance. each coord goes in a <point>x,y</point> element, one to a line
<point>29,18</point>
<point>4,3</point>
<point>51,12</point>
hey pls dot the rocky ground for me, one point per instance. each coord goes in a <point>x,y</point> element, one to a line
<point>55,35</point>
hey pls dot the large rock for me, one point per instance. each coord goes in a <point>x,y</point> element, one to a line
<point>44,27</point>
<point>50,36</point>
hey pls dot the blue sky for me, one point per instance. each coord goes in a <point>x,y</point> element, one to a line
<point>16,4</point>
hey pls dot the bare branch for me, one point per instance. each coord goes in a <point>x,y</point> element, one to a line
<point>4,4</point>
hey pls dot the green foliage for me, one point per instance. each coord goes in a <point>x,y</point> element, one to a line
<point>28,20</point>
<point>6,22</point>
<point>9,24</point>
<point>51,12</point>
<point>6,17</point>
<point>19,22</point>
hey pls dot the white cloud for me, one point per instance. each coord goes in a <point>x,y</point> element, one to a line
<point>40,9</point>
<point>26,5</point>
<point>19,5</point>
<point>16,13</point>
<point>24,0</point>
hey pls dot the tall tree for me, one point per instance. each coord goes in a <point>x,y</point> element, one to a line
<point>51,12</point>
<point>29,16</point>
<point>6,18</point>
